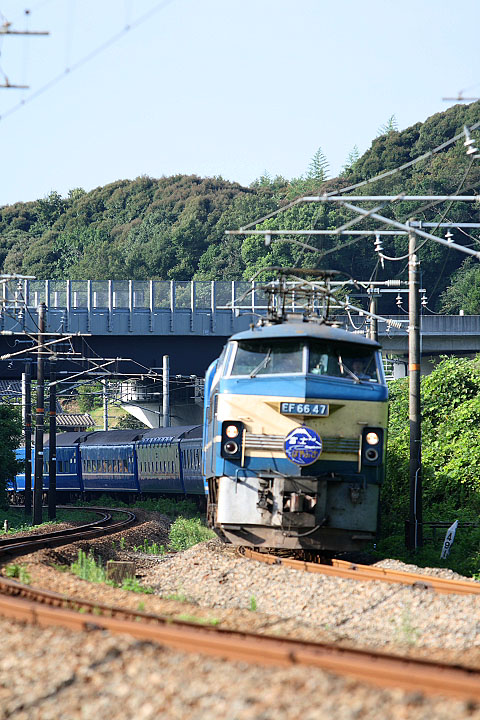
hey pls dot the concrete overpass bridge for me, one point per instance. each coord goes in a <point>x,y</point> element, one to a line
<point>189,321</point>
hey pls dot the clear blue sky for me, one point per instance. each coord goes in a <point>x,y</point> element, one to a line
<point>220,87</point>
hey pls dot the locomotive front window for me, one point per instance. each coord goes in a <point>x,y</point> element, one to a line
<point>342,360</point>
<point>255,357</point>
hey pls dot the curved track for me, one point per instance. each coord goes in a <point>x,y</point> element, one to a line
<point>354,571</point>
<point>45,608</point>
<point>102,526</point>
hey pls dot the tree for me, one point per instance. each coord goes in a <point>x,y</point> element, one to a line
<point>90,396</point>
<point>352,159</point>
<point>464,291</point>
<point>390,126</point>
<point>129,422</point>
<point>10,436</point>
<point>450,444</point>
<point>318,168</point>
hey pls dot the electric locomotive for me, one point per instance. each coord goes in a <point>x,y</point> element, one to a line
<point>294,435</point>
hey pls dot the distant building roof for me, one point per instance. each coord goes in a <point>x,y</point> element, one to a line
<point>11,388</point>
<point>74,420</point>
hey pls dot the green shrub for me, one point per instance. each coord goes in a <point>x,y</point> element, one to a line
<point>87,568</point>
<point>451,463</point>
<point>18,571</point>
<point>152,548</point>
<point>187,532</point>
<point>166,506</point>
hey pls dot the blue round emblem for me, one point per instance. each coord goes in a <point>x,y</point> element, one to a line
<point>303,446</point>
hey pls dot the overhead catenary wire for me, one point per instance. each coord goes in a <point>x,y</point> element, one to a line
<point>87,58</point>
<point>369,181</point>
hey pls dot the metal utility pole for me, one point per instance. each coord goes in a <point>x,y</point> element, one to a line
<point>166,392</point>
<point>52,441</point>
<point>373,320</point>
<point>415,521</point>
<point>105,403</point>
<point>27,423</point>
<point>40,417</point>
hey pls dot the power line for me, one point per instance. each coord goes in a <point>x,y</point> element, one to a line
<point>363,183</point>
<point>87,58</point>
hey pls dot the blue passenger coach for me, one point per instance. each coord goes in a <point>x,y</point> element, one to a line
<point>169,461</point>
<point>109,462</point>
<point>163,461</point>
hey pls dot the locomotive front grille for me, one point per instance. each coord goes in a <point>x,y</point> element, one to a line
<point>277,442</point>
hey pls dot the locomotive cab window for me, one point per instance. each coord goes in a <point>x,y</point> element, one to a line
<point>275,357</point>
<point>341,360</point>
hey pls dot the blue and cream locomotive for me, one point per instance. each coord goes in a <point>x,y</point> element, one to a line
<point>294,436</point>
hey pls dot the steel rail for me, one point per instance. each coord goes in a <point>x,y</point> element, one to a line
<point>46,608</point>
<point>379,669</point>
<point>28,544</point>
<point>104,518</point>
<point>355,571</point>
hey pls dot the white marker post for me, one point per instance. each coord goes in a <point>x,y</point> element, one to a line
<point>449,538</point>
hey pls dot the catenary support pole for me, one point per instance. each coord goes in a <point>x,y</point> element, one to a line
<point>415,523</point>
<point>27,398</point>
<point>105,403</point>
<point>40,418</point>
<point>373,310</point>
<point>52,445</point>
<point>166,392</point>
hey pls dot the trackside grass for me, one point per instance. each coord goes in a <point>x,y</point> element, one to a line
<point>186,532</point>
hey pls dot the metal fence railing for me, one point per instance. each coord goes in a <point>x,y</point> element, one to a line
<point>235,295</point>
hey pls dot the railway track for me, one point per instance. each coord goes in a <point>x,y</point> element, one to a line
<point>104,525</point>
<point>355,571</point>
<point>46,608</point>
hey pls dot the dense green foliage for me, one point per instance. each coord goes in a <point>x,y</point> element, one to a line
<point>174,227</point>
<point>186,532</point>
<point>89,397</point>
<point>10,436</point>
<point>463,293</point>
<point>450,454</point>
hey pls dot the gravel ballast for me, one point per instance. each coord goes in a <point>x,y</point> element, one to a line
<point>56,674</point>
<point>121,678</point>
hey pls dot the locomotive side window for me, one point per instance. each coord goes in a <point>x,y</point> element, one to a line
<point>342,360</point>
<point>266,358</point>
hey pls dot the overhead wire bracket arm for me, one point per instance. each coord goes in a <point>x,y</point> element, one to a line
<point>417,231</point>
<point>39,346</point>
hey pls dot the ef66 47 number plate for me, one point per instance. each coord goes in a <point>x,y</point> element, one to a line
<point>293,408</point>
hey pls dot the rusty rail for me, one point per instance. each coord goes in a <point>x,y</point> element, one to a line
<point>44,608</point>
<point>354,571</point>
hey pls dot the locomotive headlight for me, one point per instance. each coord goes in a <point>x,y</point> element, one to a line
<point>372,438</point>
<point>232,443</point>
<point>232,431</point>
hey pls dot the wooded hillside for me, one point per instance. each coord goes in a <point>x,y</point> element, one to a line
<point>173,227</point>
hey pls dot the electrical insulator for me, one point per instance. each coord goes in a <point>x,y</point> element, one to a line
<point>448,236</point>
<point>399,299</point>
<point>268,239</point>
<point>378,244</point>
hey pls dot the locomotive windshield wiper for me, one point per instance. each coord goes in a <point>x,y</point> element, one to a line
<point>344,367</point>
<point>262,364</point>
